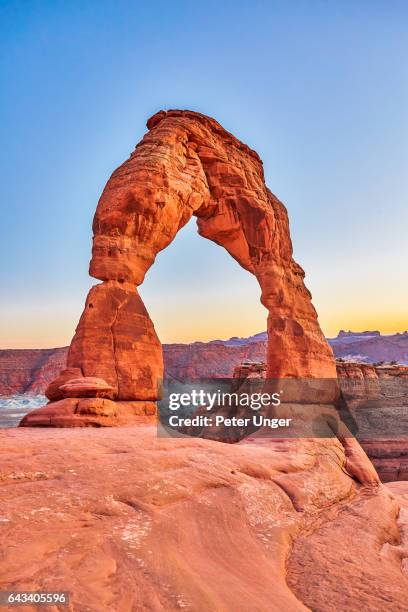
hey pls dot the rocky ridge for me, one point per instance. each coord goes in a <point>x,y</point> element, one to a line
<point>31,371</point>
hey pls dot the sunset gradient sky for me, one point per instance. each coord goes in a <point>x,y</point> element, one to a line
<point>319,89</point>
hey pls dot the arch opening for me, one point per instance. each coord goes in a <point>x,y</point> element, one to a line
<point>196,292</point>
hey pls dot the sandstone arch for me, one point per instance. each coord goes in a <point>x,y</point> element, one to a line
<point>186,165</point>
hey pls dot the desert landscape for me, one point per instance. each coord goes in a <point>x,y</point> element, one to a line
<point>98,501</point>
<point>25,375</point>
<point>31,370</point>
<point>203,322</point>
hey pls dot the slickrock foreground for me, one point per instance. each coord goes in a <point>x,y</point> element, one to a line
<point>127,521</point>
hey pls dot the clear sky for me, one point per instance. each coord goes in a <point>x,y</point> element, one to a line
<point>318,88</point>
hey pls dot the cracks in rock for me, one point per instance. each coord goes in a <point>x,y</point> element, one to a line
<point>399,547</point>
<point>114,345</point>
<point>291,497</point>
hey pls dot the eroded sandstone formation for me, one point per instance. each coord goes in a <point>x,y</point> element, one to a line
<point>127,520</point>
<point>375,399</point>
<point>188,165</point>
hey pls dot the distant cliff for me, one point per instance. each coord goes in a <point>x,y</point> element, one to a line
<point>30,370</point>
<point>217,358</point>
<point>371,346</point>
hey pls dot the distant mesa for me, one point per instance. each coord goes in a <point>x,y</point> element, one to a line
<point>348,334</point>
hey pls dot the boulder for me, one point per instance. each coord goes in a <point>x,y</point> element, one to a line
<point>91,412</point>
<point>53,391</point>
<point>86,386</point>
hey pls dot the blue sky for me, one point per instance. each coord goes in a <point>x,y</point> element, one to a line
<point>318,88</point>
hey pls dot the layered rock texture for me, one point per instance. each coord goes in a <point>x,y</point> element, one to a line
<point>125,520</point>
<point>30,371</point>
<point>187,165</point>
<point>371,346</point>
<point>375,400</point>
<point>378,398</point>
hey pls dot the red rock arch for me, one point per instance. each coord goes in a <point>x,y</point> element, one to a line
<point>187,165</point>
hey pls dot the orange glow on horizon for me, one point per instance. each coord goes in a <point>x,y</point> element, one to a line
<point>185,327</point>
